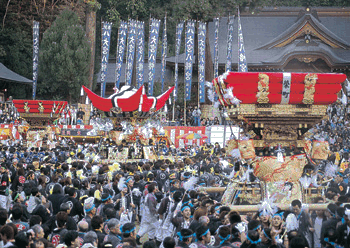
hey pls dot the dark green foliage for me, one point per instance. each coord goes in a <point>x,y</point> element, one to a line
<point>64,59</point>
<point>16,54</point>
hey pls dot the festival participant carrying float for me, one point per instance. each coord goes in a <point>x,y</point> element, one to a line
<point>276,110</point>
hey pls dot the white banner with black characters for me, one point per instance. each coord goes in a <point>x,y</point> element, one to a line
<point>120,51</point>
<point>216,47</point>
<point>229,43</point>
<point>152,53</point>
<point>140,53</point>
<point>287,81</point>
<point>35,56</point>
<point>201,60</point>
<point>242,60</point>
<point>105,43</point>
<point>190,29</point>
<point>164,54</point>
<point>179,28</point>
<point>131,51</point>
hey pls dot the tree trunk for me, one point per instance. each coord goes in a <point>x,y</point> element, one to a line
<point>209,65</point>
<point>91,35</point>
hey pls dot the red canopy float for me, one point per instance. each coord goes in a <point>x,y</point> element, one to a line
<point>129,99</point>
<point>279,88</point>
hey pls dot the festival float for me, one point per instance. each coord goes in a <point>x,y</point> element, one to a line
<point>39,115</point>
<point>42,127</point>
<point>276,111</point>
<point>136,113</point>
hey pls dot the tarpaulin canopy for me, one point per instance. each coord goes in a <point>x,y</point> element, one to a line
<point>8,75</point>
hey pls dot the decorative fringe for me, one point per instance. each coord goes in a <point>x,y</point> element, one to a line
<point>292,223</point>
<point>189,185</point>
<point>121,183</point>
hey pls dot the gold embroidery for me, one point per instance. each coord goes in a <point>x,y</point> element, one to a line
<point>41,107</point>
<point>26,107</point>
<point>310,81</point>
<point>263,89</point>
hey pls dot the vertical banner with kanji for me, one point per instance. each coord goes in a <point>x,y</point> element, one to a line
<point>140,53</point>
<point>164,53</point>
<point>242,60</point>
<point>190,29</point>
<point>35,55</point>
<point>201,60</point>
<point>152,52</point>
<point>216,47</point>
<point>229,43</point>
<point>131,51</point>
<point>179,28</point>
<point>105,43</point>
<point>120,51</point>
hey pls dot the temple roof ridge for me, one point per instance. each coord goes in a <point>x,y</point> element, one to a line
<point>307,23</point>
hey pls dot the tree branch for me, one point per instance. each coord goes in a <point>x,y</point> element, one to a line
<point>3,20</point>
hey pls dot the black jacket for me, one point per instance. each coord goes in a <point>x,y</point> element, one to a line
<point>56,200</point>
<point>343,237</point>
<point>330,223</point>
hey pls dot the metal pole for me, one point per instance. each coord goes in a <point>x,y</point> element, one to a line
<point>185,110</point>
<point>174,108</point>
<point>223,115</point>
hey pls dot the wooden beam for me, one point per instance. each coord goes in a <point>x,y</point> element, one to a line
<point>255,208</point>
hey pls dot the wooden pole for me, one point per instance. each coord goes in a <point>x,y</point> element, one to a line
<point>255,208</point>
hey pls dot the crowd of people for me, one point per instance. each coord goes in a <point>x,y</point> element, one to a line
<point>8,114</point>
<point>194,117</point>
<point>68,196</point>
<point>65,197</point>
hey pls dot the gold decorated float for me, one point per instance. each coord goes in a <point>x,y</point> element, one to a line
<point>276,110</point>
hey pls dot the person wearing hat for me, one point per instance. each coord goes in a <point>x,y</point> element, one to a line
<point>90,210</point>
<point>185,238</point>
<point>114,232</point>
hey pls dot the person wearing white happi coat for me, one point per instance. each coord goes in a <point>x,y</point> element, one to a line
<point>149,221</point>
<point>166,228</point>
<point>73,116</point>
